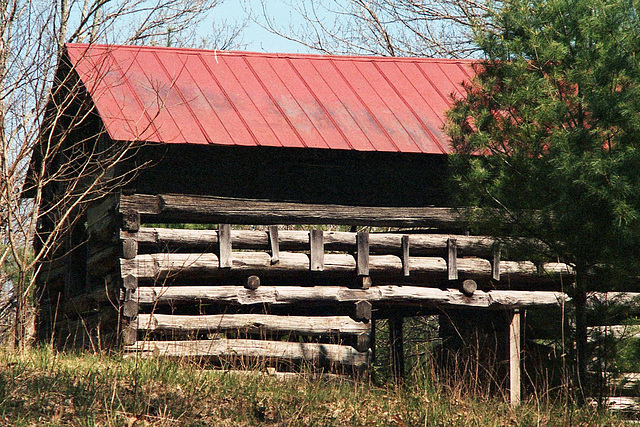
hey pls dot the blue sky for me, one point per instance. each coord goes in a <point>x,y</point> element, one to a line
<point>257,38</point>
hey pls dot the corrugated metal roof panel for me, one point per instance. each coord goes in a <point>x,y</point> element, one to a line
<point>187,96</point>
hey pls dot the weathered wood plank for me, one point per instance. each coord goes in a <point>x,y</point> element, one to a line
<point>207,209</point>
<point>515,343</point>
<point>415,295</point>
<point>316,243</point>
<point>253,323</point>
<point>406,266</point>
<point>622,404</point>
<point>312,352</point>
<point>101,220</point>
<point>452,259</point>
<point>382,267</point>
<point>495,266</point>
<point>362,261</point>
<point>274,244</point>
<point>298,240</point>
<point>103,261</point>
<point>224,244</point>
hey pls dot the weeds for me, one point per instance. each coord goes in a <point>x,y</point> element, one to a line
<point>43,387</point>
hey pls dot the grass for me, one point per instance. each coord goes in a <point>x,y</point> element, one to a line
<point>44,387</point>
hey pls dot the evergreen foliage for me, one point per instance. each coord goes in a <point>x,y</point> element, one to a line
<point>556,105</point>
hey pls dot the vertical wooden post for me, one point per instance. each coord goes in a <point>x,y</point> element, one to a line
<point>316,242</point>
<point>362,259</point>
<point>514,358</point>
<point>224,242</point>
<point>362,241</point>
<point>452,259</point>
<point>405,255</point>
<point>274,244</point>
<point>495,266</point>
<point>397,347</point>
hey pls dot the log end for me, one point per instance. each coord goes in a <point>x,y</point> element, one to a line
<point>253,283</point>
<point>468,287</point>
<point>363,282</point>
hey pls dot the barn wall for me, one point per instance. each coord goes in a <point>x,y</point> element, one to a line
<point>304,175</point>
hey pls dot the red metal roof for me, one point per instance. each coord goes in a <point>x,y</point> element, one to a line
<point>178,96</point>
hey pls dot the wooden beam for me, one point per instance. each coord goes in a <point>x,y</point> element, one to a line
<point>316,243</point>
<point>253,323</point>
<point>387,267</point>
<point>411,295</point>
<point>224,244</point>
<point>207,209</point>
<point>312,352</point>
<point>515,362</point>
<point>298,240</point>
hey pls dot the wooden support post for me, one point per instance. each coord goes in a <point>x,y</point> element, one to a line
<point>397,347</point>
<point>362,259</point>
<point>495,266</point>
<point>274,244</point>
<point>316,242</point>
<point>452,259</point>
<point>405,255</point>
<point>129,310</point>
<point>362,240</point>
<point>514,358</point>
<point>224,242</point>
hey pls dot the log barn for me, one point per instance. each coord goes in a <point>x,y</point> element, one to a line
<point>268,207</point>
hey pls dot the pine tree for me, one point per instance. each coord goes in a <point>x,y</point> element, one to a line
<point>548,137</point>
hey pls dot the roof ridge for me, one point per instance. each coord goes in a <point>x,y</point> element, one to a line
<point>274,54</point>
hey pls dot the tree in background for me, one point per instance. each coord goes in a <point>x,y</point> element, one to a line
<point>32,37</point>
<point>378,27</point>
<point>556,107</point>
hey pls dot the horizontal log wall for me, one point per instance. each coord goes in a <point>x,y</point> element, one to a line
<point>384,269</point>
<point>177,282</point>
<point>202,209</point>
<point>243,348</point>
<point>379,295</point>
<point>298,240</point>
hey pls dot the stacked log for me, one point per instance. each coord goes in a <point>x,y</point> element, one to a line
<point>294,295</point>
